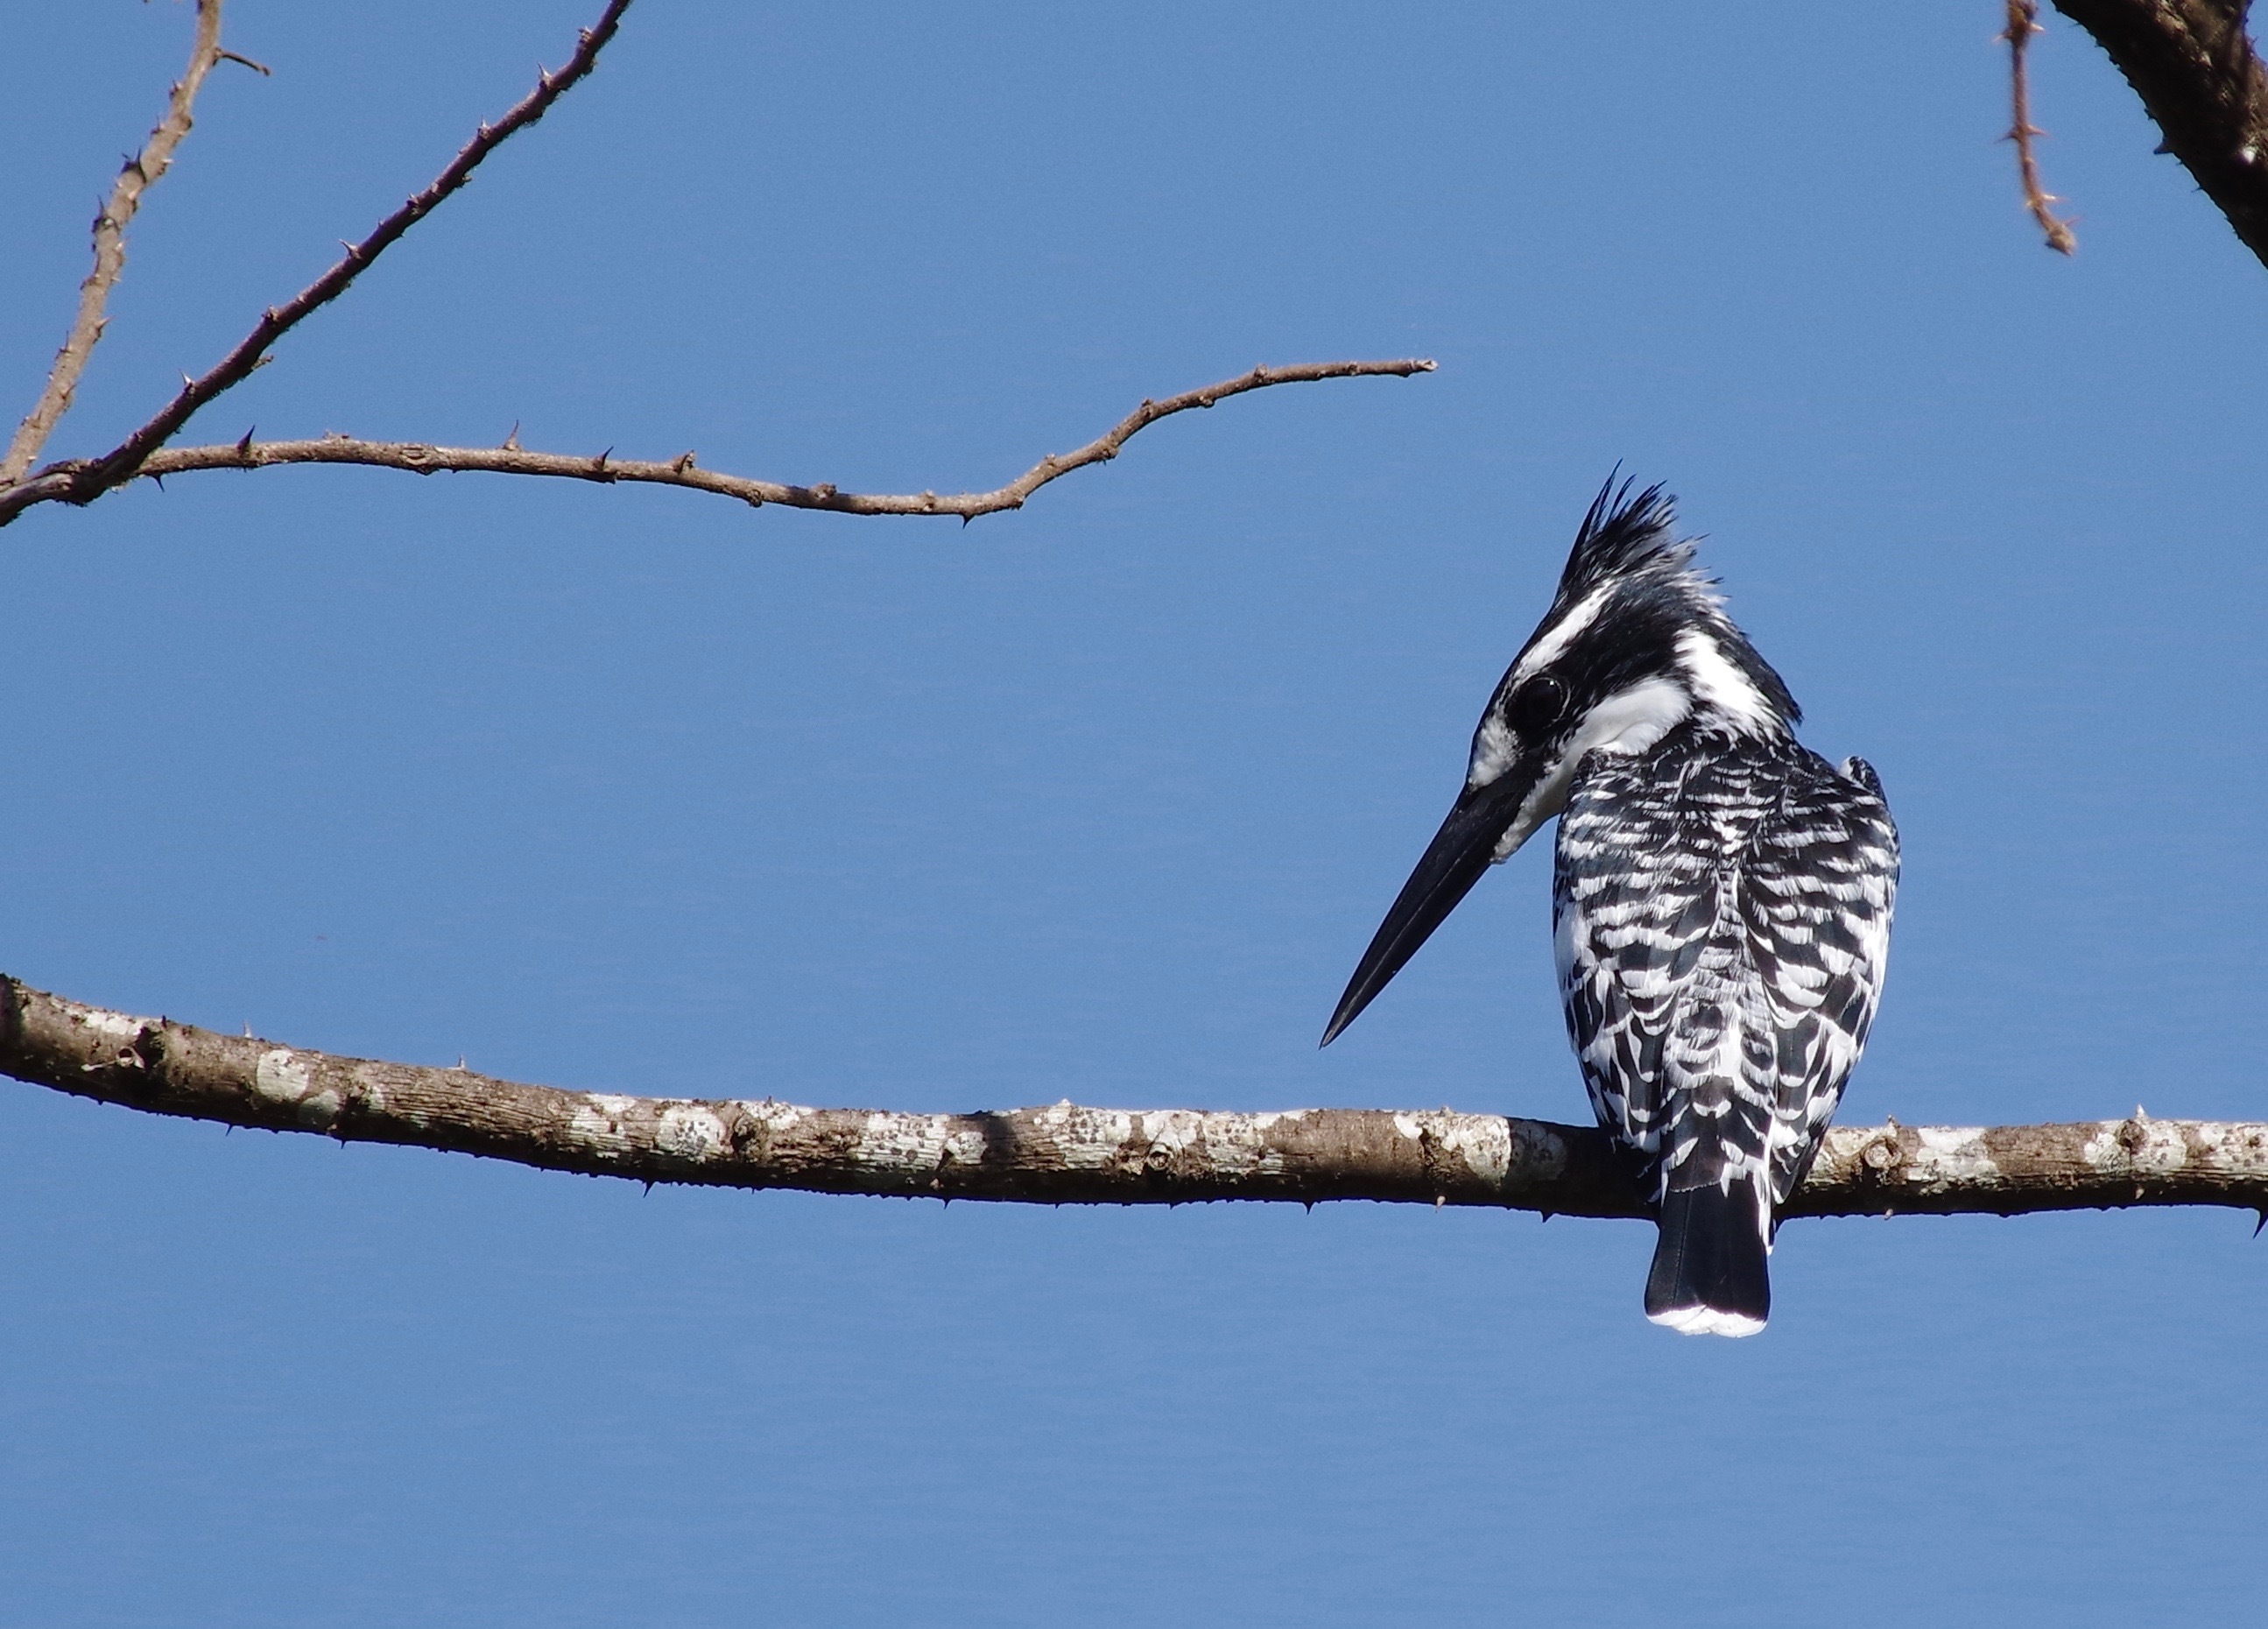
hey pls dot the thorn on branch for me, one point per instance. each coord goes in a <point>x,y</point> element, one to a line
<point>244,447</point>
<point>511,441</point>
<point>262,69</point>
<point>684,461</point>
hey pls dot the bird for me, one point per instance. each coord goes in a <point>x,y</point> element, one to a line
<point>1721,895</point>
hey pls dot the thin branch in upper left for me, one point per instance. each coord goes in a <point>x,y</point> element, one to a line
<point>140,172</point>
<point>92,478</point>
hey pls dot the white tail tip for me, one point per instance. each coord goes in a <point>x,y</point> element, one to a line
<point>1706,1321</point>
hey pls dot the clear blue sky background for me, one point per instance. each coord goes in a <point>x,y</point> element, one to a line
<point>645,791</point>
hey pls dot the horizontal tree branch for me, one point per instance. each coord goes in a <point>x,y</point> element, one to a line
<point>1067,1154</point>
<point>2195,68</point>
<point>137,176</point>
<point>511,459</point>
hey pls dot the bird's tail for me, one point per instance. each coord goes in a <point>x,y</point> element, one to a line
<point>1709,1276</point>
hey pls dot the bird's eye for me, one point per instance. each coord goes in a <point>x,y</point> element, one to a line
<point>1535,707</point>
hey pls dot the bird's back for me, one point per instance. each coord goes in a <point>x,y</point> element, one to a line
<point>1721,907</point>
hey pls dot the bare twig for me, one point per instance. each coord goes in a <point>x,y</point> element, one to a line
<point>88,479</point>
<point>1067,1154</point>
<point>2196,70</point>
<point>81,481</point>
<point>2024,23</point>
<point>140,172</point>
<point>511,459</point>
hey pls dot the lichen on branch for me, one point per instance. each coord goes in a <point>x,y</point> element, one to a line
<point>1064,1153</point>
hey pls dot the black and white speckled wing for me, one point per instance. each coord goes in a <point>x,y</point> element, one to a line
<point>1632,909</point>
<point>1722,919</point>
<point>1817,892</point>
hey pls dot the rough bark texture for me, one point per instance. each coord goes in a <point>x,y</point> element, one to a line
<point>1067,1154</point>
<point>2194,67</point>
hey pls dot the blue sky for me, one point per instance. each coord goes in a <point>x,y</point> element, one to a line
<point>639,790</point>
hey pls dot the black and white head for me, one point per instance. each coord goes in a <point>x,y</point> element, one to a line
<point>1636,644</point>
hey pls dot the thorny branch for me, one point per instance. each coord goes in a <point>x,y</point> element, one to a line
<point>511,459</point>
<point>82,481</point>
<point>144,453</point>
<point>2196,70</point>
<point>2024,23</point>
<point>1065,1155</point>
<point>138,175</point>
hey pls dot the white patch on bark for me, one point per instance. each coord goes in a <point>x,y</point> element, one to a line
<point>597,1122</point>
<point>915,1142</point>
<point>773,1116</point>
<point>2146,1147</point>
<point>1952,1154</point>
<point>282,1077</point>
<point>688,1131</point>
<point>2242,1148</point>
<point>1086,1139</point>
<point>118,1027</point>
<point>1483,1141</point>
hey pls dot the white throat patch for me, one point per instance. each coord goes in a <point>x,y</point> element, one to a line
<point>1629,721</point>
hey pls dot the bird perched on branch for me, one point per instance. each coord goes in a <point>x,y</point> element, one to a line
<point>1721,898</point>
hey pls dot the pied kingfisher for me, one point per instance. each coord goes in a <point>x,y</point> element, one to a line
<point>1720,903</point>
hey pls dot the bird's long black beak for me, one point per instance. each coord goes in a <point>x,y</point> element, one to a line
<point>1463,848</point>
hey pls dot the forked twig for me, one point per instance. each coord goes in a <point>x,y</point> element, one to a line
<point>90,478</point>
<point>82,481</point>
<point>2024,23</point>
<point>137,176</point>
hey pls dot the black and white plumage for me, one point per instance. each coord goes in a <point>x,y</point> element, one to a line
<point>1721,899</point>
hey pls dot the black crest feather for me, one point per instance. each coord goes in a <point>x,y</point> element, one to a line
<point>1623,536</point>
